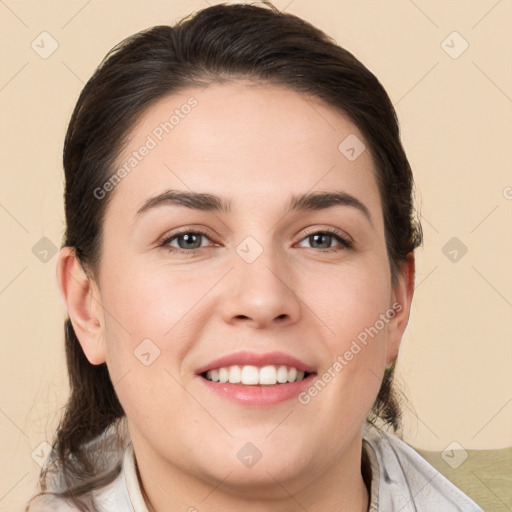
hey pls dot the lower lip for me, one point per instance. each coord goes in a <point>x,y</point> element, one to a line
<point>260,394</point>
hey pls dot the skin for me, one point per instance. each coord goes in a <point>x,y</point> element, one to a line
<point>256,145</point>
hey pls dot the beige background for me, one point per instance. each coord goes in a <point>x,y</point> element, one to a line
<point>456,118</point>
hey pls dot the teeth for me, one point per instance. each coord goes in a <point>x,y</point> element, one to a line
<point>268,375</point>
<point>253,375</point>
<point>282,374</point>
<point>235,374</point>
<point>223,375</point>
<point>250,375</point>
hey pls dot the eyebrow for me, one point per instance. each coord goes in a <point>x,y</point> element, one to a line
<point>314,201</point>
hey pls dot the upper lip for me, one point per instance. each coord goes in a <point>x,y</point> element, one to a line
<point>256,359</point>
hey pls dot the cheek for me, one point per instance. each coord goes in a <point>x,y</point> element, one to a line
<point>348,300</point>
<point>145,333</point>
<point>152,302</point>
<point>351,306</point>
<point>152,321</point>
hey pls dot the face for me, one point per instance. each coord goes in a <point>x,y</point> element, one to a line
<point>260,282</point>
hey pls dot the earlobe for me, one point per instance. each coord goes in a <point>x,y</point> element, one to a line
<point>83,303</point>
<point>402,296</point>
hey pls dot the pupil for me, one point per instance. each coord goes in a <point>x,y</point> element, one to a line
<point>189,238</point>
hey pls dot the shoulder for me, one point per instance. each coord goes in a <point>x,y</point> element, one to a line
<point>49,502</point>
<point>108,488</point>
<point>407,482</point>
<point>113,497</point>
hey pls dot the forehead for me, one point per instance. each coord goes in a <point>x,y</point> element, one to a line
<point>245,140</point>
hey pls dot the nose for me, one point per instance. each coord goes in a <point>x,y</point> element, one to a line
<point>262,292</point>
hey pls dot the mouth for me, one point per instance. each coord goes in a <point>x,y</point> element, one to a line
<point>250,375</point>
<point>256,379</point>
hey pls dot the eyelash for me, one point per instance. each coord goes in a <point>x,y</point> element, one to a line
<point>343,239</point>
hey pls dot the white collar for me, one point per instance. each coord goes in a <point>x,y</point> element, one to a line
<point>132,480</point>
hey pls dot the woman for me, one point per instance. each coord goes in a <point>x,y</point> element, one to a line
<point>238,269</point>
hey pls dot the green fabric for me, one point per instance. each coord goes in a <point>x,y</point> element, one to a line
<point>485,476</point>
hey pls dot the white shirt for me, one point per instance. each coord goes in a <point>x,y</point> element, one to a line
<point>401,481</point>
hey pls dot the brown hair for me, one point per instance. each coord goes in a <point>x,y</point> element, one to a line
<point>218,43</point>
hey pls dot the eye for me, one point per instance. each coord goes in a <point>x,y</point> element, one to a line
<point>188,241</point>
<point>325,237</point>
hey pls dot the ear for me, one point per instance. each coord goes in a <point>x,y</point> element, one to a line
<point>401,299</point>
<point>83,301</point>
